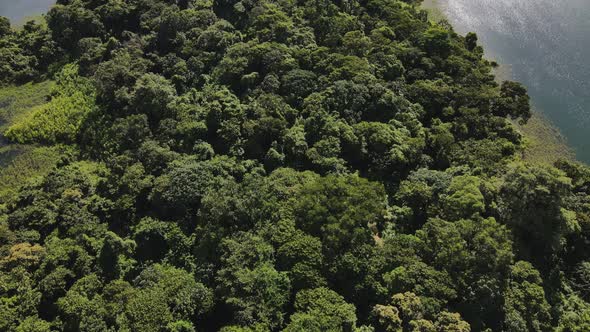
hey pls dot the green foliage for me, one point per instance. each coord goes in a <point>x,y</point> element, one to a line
<point>151,95</point>
<point>147,311</point>
<point>302,256</point>
<point>436,40</point>
<point>4,26</point>
<point>275,166</point>
<point>83,307</point>
<point>184,295</point>
<point>34,324</point>
<point>69,24</point>
<point>321,309</point>
<point>532,203</point>
<point>463,198</point>
<point>27,163</point>
<point>255,291</point>
<point>407,313</point>
<point>25,54</point>
<point>526,307</point>
<point>339,210</point>
<point>17,101</point>
<point>60,119</point>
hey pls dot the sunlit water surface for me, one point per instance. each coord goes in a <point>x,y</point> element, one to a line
<point>17,10</point>
<point>547,45</point>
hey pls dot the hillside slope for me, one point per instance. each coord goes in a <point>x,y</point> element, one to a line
<point>281,166</point>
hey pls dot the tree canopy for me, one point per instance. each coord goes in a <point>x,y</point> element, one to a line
<point>263,165</point>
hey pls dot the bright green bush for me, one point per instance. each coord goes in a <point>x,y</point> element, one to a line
<point>16,101</point>
<point>60,119</point>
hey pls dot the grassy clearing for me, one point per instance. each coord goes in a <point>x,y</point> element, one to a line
<point>22,163</point>
<point>27,115</point>
<point>60,119</point>
<point>18,101</point>
<point>544,143</point>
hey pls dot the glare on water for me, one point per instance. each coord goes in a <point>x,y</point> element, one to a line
<point>547,45</point>
<point>17,10</point>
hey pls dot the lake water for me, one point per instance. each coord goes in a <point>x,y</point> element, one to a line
<point>17,10</point>
<point>547,45</point>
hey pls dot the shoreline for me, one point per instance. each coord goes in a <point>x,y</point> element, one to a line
<point>543,141</point>
<point>434,9</point>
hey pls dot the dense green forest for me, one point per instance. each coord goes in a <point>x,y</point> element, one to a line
<point>275,165</point>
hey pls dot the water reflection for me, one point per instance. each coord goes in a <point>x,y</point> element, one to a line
<point>547,44</point>
<point>17,10</point>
